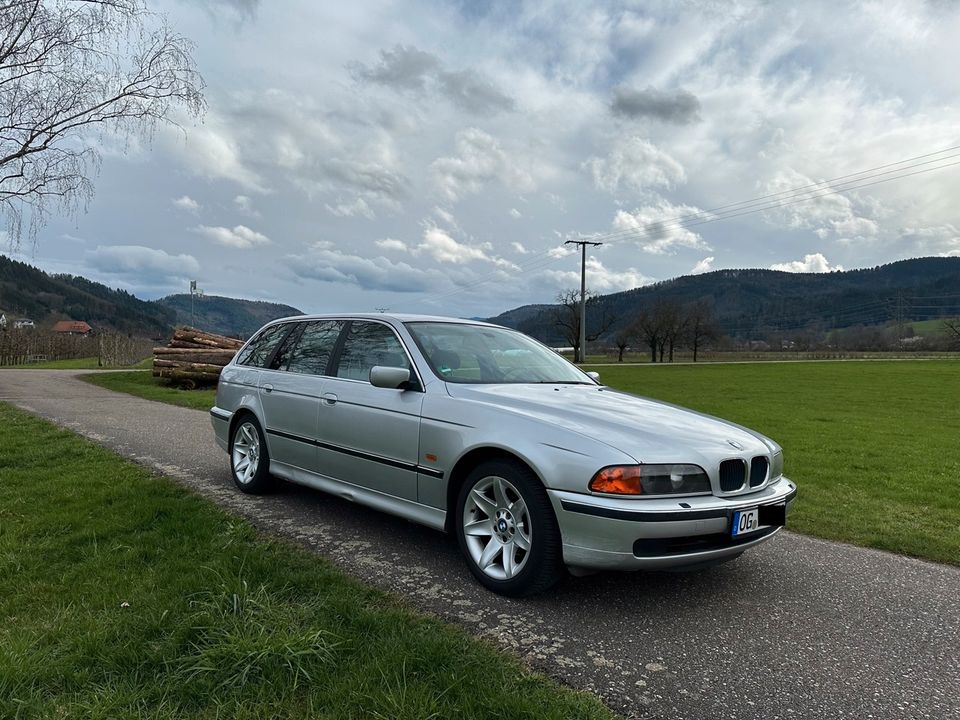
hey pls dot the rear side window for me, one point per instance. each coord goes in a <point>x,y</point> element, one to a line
<point>369,344</point>
<point>281,357</point>
<point>262,346</point>
<point>312,353</point>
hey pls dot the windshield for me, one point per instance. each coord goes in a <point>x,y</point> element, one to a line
<point>481,354</point>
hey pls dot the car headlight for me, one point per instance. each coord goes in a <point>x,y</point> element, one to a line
<point>776,465</point>
<point>651,480</point>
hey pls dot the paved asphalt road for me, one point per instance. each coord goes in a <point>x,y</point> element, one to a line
<point>799,628</point>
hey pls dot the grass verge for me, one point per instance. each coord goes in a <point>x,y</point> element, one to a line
<point>122,595</point>
<point>145,385</point>
<point>872,445</point>
<point>89,363</point>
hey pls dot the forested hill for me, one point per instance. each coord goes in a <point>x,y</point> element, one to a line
<point>229,316</point>
<point>754,302</point>
<point>26,291</point>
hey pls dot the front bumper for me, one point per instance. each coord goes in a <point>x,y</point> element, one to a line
<point>633,534</point>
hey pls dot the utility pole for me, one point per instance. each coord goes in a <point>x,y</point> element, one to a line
<point>582,352</point>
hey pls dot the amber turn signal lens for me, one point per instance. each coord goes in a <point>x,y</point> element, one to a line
<point>618,480</point>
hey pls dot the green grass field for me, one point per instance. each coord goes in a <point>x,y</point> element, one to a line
<point>873,446</point>
<point>122,595</point>
<point>144,385</point>
<point>89,363</point>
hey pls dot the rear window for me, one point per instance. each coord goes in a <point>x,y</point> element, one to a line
<point>262,346</point>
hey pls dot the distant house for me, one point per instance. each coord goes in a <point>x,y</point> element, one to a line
<point>23,324</point>
<point>72,327</point>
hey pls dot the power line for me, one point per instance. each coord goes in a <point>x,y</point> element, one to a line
<point>804,193</point>
<point>707,217</point>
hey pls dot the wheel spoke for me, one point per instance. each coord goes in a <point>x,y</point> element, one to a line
<point>500,493</point>
<point>521,540</point>
<point>243,464</point>
<point>479,528</point>
<point>518,509</point>
<point>509,567</point>
<point>248,473</point>
<point>483,503</point>
<point>490,553</point>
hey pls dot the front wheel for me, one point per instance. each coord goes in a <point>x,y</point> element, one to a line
<point>249,460</point>
<point>507,531</point>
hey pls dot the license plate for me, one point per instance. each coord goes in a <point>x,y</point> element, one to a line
<point>745,521</point>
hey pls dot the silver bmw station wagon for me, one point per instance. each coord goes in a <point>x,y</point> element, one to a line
<point>481,431</point>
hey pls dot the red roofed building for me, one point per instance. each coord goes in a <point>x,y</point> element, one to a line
<point>72,327</point>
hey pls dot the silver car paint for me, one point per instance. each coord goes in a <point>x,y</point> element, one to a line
<point>564,433</point>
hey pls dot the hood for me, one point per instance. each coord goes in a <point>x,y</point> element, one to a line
<point>647,430</point>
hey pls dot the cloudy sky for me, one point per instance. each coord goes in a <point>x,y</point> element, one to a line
<point>429,156</point>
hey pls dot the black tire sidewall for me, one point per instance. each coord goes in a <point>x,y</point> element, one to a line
<point>544,564</point>
<point>261,480</point>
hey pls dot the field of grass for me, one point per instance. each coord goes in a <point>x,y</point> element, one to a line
<point>144,385</point>
<point>122,595</point>
<point>873,446</point>
<point>89,363</point>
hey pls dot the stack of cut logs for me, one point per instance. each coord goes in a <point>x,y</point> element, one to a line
<point>194,357</point>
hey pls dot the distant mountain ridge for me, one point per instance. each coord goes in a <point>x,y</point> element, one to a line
<point>26,291</point>
<point>750,303</point>
<point>224,315</point>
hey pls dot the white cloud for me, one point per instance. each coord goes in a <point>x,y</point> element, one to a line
<point>358,206</point>
<point>391,244</point>
<point>479,161</point>
<point>239,236</point>
<point>245,205</point>
<point>829,215</point>
<point>515,214</point>
<point>600,279</point>
<point>814,263</point>
<point>659,229</point>
<point>942,240</point>
<point>635,165</point>
<point>334,266</point>
<point>212,151</point>
<point>443,248</point>
<point>143,263</point>
<point>187,203</point>
<point>703,266</point>
<point>519,247</point>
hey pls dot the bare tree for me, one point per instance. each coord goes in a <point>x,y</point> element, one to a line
<point>622,339</point>
<point>701,326</point>
<point>649,327</point>
<point>566,316</point>
<point>951,327</point>
<point>72,71</point>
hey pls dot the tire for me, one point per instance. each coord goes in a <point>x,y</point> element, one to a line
<point>247,443</point>
<point>507,530</point>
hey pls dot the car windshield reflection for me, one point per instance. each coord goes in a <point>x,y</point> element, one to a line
<point>481,354</point>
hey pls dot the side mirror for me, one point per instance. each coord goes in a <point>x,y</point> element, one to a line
<point>392,378</point>
<point>594,375</point>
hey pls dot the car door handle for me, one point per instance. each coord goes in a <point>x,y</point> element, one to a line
<point>268,388</point>
<point>329,399</point>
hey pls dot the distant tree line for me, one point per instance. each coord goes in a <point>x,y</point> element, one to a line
<point>663,327</point>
